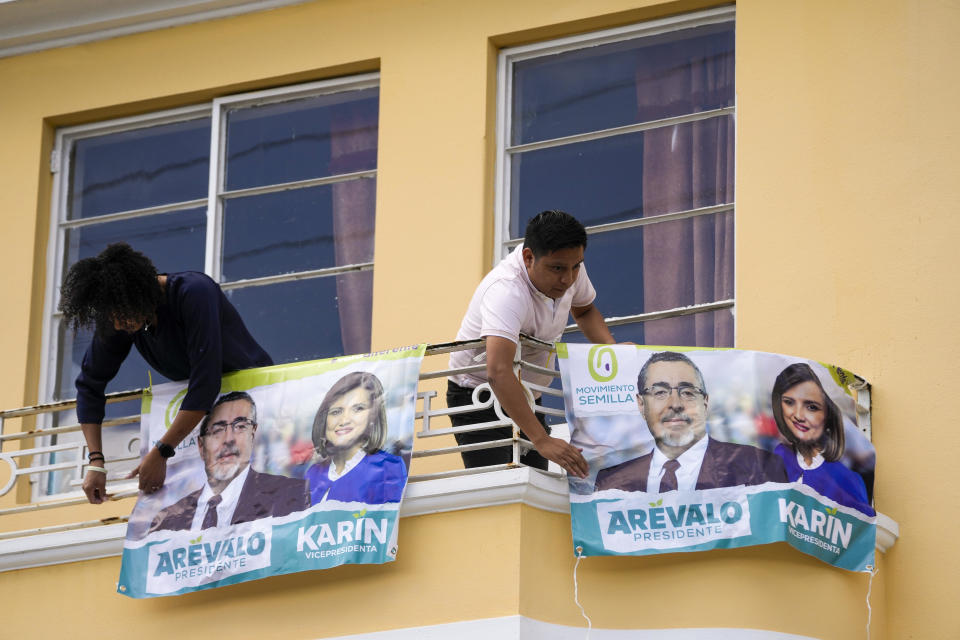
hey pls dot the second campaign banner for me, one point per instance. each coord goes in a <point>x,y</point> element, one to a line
<point>692,450</point>
<point>296,467</point>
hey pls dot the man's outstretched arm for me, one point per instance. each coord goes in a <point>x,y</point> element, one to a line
<point>509,392</point>
<point>591,322</point>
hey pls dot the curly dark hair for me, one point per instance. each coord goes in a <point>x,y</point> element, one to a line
<point>119,283</point>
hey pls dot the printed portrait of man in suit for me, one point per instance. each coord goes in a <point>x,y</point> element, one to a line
<point>673,399</point>
<point>234,492</point>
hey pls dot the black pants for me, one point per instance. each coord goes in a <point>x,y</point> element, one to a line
<point>458,396</point>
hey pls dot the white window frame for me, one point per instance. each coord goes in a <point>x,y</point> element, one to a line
<point>504,191</point>
<point>216,110</point>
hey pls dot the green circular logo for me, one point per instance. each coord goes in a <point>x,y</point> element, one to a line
<point>602,363</point>
<point>174,407</point>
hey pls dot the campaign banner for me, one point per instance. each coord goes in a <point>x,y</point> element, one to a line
<point>697,449</point>
<point>296,467</point>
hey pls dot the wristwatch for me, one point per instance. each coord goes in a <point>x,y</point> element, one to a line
<point>166,451</point>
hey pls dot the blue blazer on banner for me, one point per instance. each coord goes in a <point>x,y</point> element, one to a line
<point>831,479</point>
<point>377,479</point>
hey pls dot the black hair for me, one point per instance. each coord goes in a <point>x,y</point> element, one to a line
<point>667,356</point>
<point>120,283</point>
<point>233,396</point>
<point>551,231</point>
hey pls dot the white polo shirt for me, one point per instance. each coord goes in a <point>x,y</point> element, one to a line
<point>507,304</point>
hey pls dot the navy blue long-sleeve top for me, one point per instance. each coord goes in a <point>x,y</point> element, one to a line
<point>198,335</point>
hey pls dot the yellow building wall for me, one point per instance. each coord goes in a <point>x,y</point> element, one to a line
<point>847,160</point>
<point>79,599</point>
<point>771,587</point>
<point>846,165</point>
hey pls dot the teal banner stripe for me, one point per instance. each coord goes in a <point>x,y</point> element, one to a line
<point>319,540</point>
<point>776,515</point>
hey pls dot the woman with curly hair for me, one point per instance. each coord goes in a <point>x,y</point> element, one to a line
<point>182,325</point>
<point>812,425</point>
<point>349,432</point>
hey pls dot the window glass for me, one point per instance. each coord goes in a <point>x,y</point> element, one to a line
<point>277,232</point>
<point>604,182</point>
<point>173,241</point>
<point>608,176</point>
<point>302,139</point>
<point>140,168</point>
<point>304,319</point>
<point>297,230</point>
<point>662,266</point>
<point>622,83</point>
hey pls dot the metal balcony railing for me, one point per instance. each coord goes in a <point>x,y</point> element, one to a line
<point>30,462</point>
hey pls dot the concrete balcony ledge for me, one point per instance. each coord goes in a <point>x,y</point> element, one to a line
<point>509,486</point>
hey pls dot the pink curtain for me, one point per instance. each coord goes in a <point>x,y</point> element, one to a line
<point>353,146</point>
<point>687,166</point>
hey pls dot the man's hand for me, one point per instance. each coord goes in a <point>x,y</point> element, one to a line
<point>510,393</point>
<point>152,471</point>
<point>564,454</point>
<point>95,486</point>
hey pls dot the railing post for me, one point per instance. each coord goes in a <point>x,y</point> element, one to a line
<point>513,423</point>
<point>427,397</point>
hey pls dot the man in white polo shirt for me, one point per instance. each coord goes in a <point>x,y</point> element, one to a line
<point>532,291</point>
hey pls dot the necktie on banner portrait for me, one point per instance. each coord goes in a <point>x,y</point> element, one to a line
<point>296,467</point>
<point>691,450</point>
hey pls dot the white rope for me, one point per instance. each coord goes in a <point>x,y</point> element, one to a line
<point>576,592</point>
<point>873,572</point>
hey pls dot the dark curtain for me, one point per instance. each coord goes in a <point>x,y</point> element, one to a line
<point>353,146</point>
<point>687,166</point>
